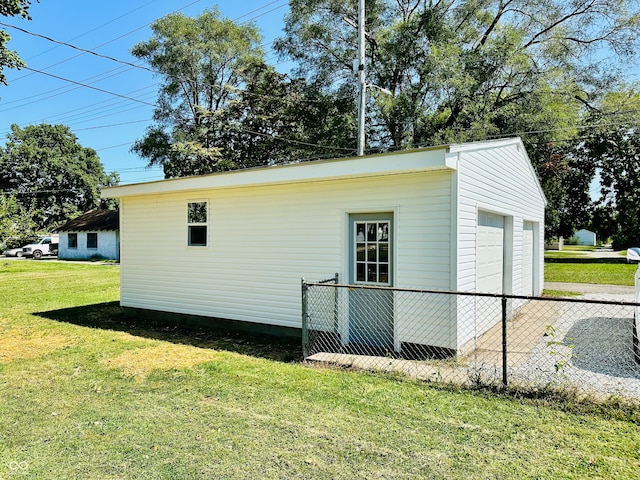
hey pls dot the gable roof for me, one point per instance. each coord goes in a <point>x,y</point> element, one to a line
<point>93,220</point>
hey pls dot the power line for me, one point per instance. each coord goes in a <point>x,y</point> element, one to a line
<point>61,90</point>
<point>261,8</point>
<point>100,26</point>
<point>104,43</point>
<point>110,126</point>
<point>89,86</point>
<point>84,50</point>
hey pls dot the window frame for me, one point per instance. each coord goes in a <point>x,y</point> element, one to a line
<point>192,225</point>
<point>73,235</point>
<point>96,237</point>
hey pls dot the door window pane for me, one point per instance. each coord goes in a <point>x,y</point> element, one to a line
<point>371,232</point>
<point>383,253</point>
<point>384,273</point>
<point>372,252</point>
<point>360,272</point>
<point>372,273</point>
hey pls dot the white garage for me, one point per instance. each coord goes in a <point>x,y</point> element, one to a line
<point>233,246</point>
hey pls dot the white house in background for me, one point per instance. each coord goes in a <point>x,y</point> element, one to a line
<point>234,245</point>
<point>95,234</point>
<point>585,237</point>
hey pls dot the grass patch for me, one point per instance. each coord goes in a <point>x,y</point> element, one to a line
<point>116,398</point>
<point>578,248</point>
<point>597,273</point>
<point>554,254</point>
<point>559,293</point>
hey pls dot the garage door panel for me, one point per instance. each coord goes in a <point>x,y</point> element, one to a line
<point>489,253</point>
<point>527,258</point>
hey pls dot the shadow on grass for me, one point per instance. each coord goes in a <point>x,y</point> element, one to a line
<point>111,316</point>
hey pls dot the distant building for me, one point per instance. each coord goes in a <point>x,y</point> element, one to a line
<point>95,234</point>
<point>585,237</point>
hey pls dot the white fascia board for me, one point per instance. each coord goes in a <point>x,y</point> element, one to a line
<point>485,144</point>
<point>354,167</point>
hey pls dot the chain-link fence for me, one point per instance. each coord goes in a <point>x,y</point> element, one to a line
<point>474,338</point>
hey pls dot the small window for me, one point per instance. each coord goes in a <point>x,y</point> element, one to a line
<point>197,224</point>
<point>92,240</point>
<point>72,240</point>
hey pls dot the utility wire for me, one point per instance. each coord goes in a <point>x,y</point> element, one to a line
<point>89,86</point>
<point>60,90</point>
<point>84,50</point>
<point>102,25</point>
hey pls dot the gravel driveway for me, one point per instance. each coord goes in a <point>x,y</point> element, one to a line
<point>592,344</point>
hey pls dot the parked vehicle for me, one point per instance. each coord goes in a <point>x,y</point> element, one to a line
<point>46,245</point>
<point>13,252</point>
<point>633,255</point>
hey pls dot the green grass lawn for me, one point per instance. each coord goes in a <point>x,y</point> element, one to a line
<point>88,393</point>
<point>578,248</point>
<point>604,273</point>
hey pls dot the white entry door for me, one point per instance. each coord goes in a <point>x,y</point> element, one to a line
<point>489,253</point>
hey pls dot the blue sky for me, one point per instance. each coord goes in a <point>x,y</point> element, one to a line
<point>103,121</point>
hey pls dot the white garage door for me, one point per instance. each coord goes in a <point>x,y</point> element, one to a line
<point>489,253</point>
<point>527,258</point>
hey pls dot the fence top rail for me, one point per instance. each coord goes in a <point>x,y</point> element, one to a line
<point>471,294</point>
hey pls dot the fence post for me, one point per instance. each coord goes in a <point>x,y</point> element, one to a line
<point>335,306</point>
<point>504,341</point>
<point>305,331</point>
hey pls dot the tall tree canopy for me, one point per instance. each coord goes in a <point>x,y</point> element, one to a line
<point>16,225</point>
<point>464,69</point>
<point>8,58</point>
<point>51,174</point>
<point>221,107</point>
<point>458,70</point>
<point>200,61</point>
<point>612,145</point>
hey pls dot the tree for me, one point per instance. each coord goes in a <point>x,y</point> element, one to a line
<point>464,69</point>
<point>16,226</point>
<point>50,174</point>
<point>276,119</point>
<point>201,60</point>
<point>565,177</point>
<point>612,145</point>
<point>8,58</point>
